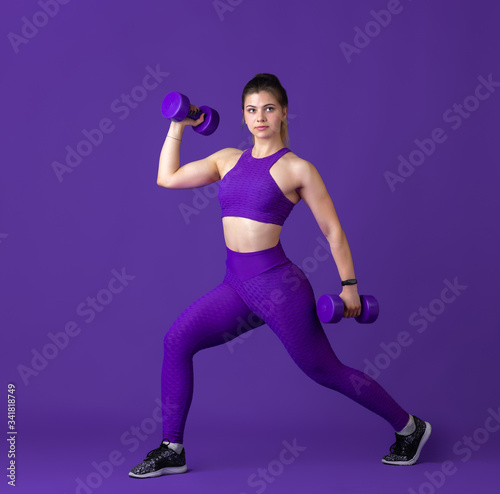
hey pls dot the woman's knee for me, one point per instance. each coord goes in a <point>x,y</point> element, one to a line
<point>329,372</point>
<point>318,373</point>
<point>178,337</point>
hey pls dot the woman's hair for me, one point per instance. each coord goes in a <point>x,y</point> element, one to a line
<point>270,83</point>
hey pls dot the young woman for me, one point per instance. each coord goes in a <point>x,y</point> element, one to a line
<point>258,189</point>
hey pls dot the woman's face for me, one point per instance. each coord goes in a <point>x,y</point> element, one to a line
<point>263,114</point>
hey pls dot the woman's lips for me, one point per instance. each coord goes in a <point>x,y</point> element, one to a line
<point>261,128</point>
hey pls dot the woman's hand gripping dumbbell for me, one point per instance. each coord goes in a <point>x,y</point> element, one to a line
<point>330,309</point>
<point>177,107</point>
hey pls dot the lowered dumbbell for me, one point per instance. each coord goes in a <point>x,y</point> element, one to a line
<point>330,309</point>
<point>176,106</point>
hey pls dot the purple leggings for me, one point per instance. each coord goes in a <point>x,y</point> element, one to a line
<point>262,287</point>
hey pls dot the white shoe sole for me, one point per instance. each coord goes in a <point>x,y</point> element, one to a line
<point>159,473</point>
<point>427,433</point>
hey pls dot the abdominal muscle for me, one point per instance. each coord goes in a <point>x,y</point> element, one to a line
<point>246,235</point>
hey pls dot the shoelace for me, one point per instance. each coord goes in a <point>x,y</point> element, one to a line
<point>158,451</point>
<point>396,448</point>
<point>399,447</point>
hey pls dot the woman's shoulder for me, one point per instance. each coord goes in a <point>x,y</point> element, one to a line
<point>229,152</point>
<point>226,155</point>
<point>301,171</point>
<point>297,164</point>
<point>226,158</point>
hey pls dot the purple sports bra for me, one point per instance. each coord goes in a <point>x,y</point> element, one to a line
<point>248,190</point>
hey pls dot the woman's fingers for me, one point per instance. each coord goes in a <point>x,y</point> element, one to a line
<point>193,110</point>
<point>353,311</point>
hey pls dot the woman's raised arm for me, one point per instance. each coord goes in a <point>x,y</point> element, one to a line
<point>196,174</point>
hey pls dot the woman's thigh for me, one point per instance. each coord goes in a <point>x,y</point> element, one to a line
<point>284,298</point>
<point>215,318</point>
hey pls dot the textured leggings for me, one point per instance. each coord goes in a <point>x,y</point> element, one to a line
<point>262,287</point>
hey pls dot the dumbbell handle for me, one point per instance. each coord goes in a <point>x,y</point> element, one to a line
<point>195,116</point>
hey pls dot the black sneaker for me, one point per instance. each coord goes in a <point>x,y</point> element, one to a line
<point>406,449</point>
<point>160,461</point>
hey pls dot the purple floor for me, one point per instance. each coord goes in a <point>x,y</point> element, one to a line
<point>246,461</point>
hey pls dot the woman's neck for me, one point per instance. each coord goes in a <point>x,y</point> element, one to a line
<point>264,147</point>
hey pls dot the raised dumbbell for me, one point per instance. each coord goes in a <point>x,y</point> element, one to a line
<point>330,309</point>
<point>176,106</point>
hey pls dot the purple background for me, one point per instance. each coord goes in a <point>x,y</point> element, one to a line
<point>352,118</point>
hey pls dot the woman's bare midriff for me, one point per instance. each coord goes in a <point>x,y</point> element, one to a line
<point>246,235</point>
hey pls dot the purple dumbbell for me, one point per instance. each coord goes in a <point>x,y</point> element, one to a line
<point>176,106</point>
<point>330,309</point>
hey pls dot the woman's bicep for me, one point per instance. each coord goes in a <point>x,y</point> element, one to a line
<point>195,174</point>
<point>315,194</point>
